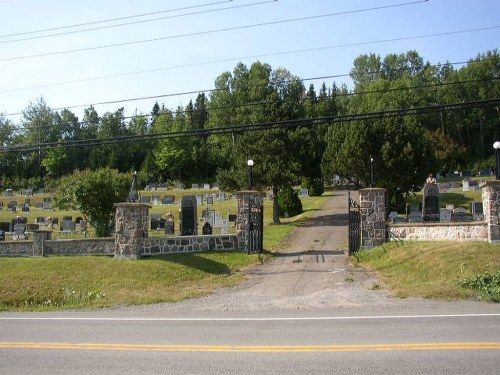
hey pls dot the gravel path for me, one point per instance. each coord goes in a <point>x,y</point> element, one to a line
<point>313,273</point>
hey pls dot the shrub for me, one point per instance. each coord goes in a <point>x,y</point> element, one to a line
<point>289,202</point>
<point>488,285</point>
<point>314,185</point>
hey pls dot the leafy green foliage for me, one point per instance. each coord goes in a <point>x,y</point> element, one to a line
<point>94,193</point>
<point>314,185</point>
<point>289,202</point>
<point>488,285</point>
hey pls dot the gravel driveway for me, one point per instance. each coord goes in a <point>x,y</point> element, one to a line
<point>313,273</point>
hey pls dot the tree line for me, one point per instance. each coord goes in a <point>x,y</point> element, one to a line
<point>403,119</point>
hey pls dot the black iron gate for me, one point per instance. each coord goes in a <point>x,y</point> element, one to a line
<point>354,225</point>
<point>255,223</point>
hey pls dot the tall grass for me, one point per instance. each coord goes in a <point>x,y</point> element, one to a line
<point>430,269</point>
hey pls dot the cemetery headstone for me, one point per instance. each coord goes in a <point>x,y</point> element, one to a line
<point>465,185</point>
<point>466,174</point>
<point>156,199</point>
<point>9,193</point>
<point>485,172</point>
<point>155,221</point>
<point>169,224</point>
<point>83,226</point>
<point>47,203</point>
<point>19,232</point>
<point>210,199</point>
<point>477,211</point>
<point>430,203</point>
<point>232,218</point>
<point>225,227</point>
<point>146,199</point>
<point>206,186</point>
<point>392,216</point>
<point>207,228</point>
<point>163,186</point>
<point>208,216</point>
<point>189,215</point>
<point>461,216</point>
<point>195,186</point>
<point>199,200</point>
<point>445,215</point>
<point>414,213</point>
<point>179,186</point>
<point>67,226</point>
<point>168,199</point>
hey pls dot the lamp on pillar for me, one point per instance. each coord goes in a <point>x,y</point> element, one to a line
<point>496,146</point>
<point>372,182</point>
<point>250,164</point>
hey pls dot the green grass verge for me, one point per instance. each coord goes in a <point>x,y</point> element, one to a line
<point>93,282</point>
<point>430,269</point>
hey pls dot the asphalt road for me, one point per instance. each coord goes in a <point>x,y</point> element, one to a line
<point>308,311</point>
<point>100,343</point>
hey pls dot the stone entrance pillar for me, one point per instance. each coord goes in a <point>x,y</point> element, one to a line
<point>131,226</point>
<point>250,222</point>
<point>372,212</point>
<point>491,208</point>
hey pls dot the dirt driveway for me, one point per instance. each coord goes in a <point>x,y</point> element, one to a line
<point>312,273</point>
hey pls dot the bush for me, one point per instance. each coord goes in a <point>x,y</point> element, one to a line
<point>314,185</point>
<point>488,285</point>
<point>289,202</point>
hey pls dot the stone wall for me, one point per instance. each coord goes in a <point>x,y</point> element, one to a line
<point>187,244</point>
<point>89,246</point>
<point>477,231</point>
<point>16,248</point>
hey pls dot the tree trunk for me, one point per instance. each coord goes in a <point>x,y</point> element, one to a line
<point>276,219</point>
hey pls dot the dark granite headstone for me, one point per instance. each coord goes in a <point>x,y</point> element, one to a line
<point>477,207</point>
<point>430,204</point>
<point>189,216</point>
<point>168,199</point>
<point>461,217</point>
<point>207,228</point>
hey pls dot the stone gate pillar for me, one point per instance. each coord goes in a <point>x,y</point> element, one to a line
<point>491,208</point>
<point>372,212</point>
<point>131,226</point>
<point>250,222</point>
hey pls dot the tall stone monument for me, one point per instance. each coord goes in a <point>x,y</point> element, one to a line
<point>430,203</point>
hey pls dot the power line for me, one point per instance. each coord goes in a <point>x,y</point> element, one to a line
<point>254,104</point>
<point>239,128</point>
<point>213,31</point>
<point>140,21</point>
<point>244,58</point>
<point>112,19</point>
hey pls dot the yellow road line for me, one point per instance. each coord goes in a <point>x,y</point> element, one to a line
<point>256,348</point>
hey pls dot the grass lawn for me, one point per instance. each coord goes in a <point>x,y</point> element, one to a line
<point>38,284</point>
<point>430,269</point>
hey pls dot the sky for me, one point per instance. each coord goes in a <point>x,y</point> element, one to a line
<point>158,50</point>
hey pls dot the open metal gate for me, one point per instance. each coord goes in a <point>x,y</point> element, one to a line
<point>354,225</point>
<point>256,225</point>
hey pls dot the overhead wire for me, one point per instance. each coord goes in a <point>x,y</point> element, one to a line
<point>337,94</point>
<point>207,32</point>
<point>329,120</point>
<point>112,19</point>
<point>140,21</point>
